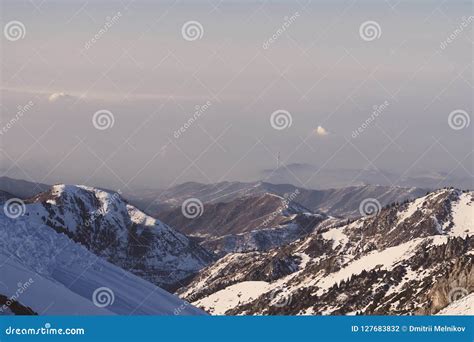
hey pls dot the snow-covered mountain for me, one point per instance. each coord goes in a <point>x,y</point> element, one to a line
<point>112,229</point>
<point>336,202</point>
<point>410,258</point>
<point>44,272</point>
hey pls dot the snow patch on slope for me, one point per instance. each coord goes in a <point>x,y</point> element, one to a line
<point>461,307</point>
<point>463,216</point>
<point>337,236</point>
<point>221,301</point>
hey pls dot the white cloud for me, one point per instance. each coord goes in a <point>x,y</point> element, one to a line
<point>321,131</point>
<point>54,97</point>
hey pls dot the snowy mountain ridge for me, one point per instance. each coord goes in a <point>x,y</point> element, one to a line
<point>113,229</point>
<point>407,259</point>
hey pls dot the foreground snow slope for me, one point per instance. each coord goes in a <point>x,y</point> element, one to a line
<point>63,276</point>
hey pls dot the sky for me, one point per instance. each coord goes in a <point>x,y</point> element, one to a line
<point>133,94</point>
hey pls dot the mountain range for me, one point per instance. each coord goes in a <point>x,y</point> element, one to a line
<point>317,177</point>
<point>337,202</point>
<point>248,248</point>
<point>410,258</point>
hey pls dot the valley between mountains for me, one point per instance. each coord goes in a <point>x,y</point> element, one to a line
<point>244,249</point>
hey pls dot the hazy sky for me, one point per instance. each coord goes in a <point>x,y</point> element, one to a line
<point>151,75</point>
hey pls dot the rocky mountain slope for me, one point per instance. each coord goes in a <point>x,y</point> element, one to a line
<point>410,258</point>
<point>335,202</point>
<point>247,223</point>
<point>241,215</point>
<point>112,229</point>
